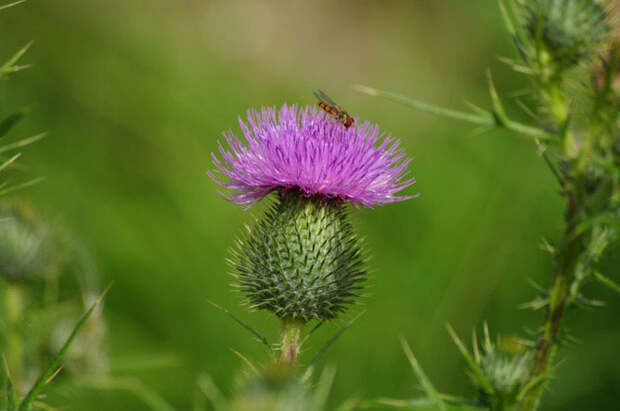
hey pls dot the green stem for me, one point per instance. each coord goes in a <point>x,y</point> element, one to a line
<point>290,340</point>
<point>558,298</point>
<point>13,309</point>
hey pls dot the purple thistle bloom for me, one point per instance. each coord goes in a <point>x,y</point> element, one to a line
<point>308,150</point>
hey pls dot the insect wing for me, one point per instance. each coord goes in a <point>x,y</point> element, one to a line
<point>325,99</point>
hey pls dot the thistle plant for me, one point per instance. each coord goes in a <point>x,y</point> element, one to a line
<point>46,280</point>
<point>564,48</point>
<point>302,260</point>
<point>7,123</point>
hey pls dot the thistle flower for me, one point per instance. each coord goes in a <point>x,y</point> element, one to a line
<point>302,260</point>
<point>307,150</point>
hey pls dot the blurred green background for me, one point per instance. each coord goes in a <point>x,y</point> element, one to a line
<point>135,95</point>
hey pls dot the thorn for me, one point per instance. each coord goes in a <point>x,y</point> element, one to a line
<point>53,375</point>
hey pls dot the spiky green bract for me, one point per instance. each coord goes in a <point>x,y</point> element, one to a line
<point>569,30</point>
<point>301,260</point>
<point>506,366</point>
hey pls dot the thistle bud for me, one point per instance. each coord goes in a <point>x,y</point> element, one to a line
<point>25,240</point>
<point>567,30</point>
<point>301,260</point>
<point>506,365</point>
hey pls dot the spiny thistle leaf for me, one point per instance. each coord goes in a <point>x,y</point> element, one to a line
<point>301,260</point>
<point>487,121</point>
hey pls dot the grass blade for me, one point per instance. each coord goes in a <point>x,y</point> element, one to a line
<point>28,400</point>
<point>427,386</point>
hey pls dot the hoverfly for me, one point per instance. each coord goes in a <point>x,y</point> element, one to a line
<point>333,109</point>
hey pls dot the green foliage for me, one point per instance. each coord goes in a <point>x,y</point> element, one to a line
<point>136,108</point>
<point>53,368</point>
<point>581,126</point>
<point>301,260</point>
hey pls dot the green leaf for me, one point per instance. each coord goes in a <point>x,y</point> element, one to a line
<point>484,120</point>
<point>427,386</point>
<point>475,369</point>
<point>496,119</point>
<point>257,334</point>
<point>44,378</point>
